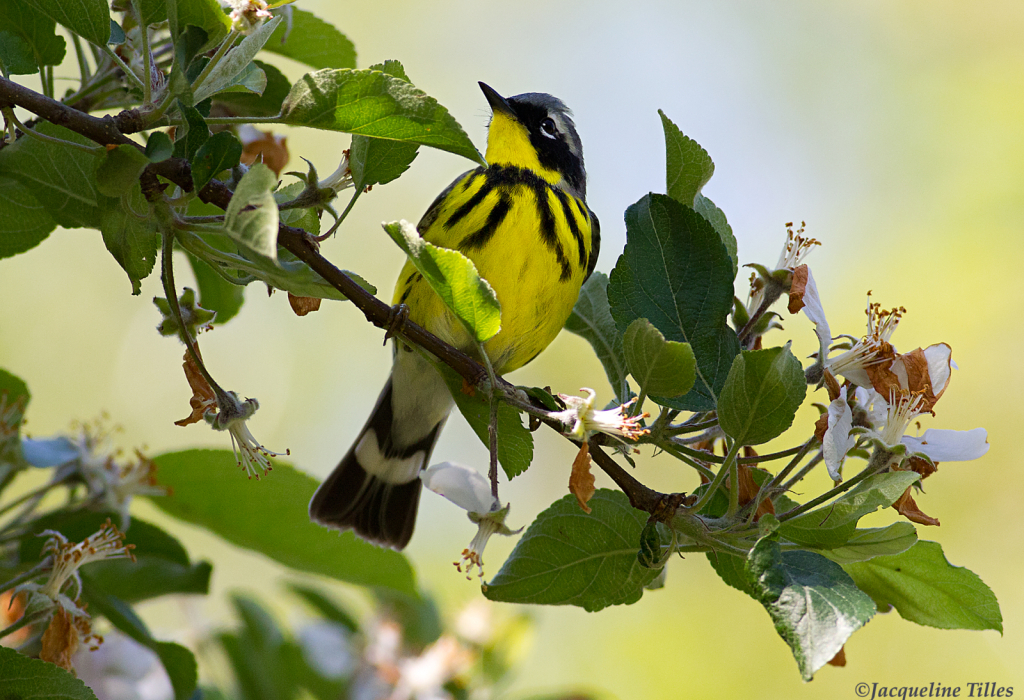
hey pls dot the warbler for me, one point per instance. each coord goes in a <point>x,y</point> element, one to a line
<point>524,222</point>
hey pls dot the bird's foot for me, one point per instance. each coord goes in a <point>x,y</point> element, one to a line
<point>396,321</point>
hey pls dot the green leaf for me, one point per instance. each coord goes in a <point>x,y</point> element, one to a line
<point>379,161</point>
<point>222,151</point>
<point>178,661</point>
<point>515,443</point>
<point>119,169</point>
<point>733,570</point>
<point>24,678</point>
<point>14,398</point>
<point>266,104</point>
<point>159,147</point>
<point>266,664</point>
<point>591,318</point>
<point>676,273</point>
<point>89,19</point>
<point>567,557</point>
<point>660,367</point>
<point>21,20</point>
<point>372,103</point>
<point>256,229</point>
<point>814,604</point>
<point>716,217</point>
<point>259,660</point>
<point>270,517</point>
<point>61,178</point>
<point>250,81</point>
<point>325,606</point>
<point>16,56</point>
<point>874,542</point>
<point>760,397</point>
<point>24,223</point>
<point>117,36</point>
<point>290,274</point>
<point>190,136</point>
<point>216,293</point>
<point>312,41</point>
<point>13,389</point>
<point>688,167</point>
<point>454,278</point>
<point>418,618</point>
<point>149,577</point>
<point>234,62</point>
<point>132,241</point>
<point>203,14</point>
<point>925,588</point>
<point>834,524</point>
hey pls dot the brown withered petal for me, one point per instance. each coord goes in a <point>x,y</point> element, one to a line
<point>749,488</point>
<point>839,659</point>
<point>581,481</point>
<point>304,305</point>
<point>883,379</point>
<point>273,148</point>
<point>923,467</point>
<point>907,507</point>
<point>831,385</point>
<point>797,288</point>
<point>820,426</point>
<point>918,378</point>
<point>203,398</point>
<point>60,640</point>
<point>917,370</point>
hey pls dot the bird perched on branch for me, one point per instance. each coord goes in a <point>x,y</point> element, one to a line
<point>524,222</point>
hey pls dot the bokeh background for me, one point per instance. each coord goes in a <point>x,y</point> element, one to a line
<point>895,130</point>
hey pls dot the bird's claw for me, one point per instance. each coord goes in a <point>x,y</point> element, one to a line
<point>396,321</point>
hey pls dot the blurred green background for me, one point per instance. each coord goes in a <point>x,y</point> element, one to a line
<point>895,130</point>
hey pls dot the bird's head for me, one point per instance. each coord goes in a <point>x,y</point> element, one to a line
<point>535,131</point>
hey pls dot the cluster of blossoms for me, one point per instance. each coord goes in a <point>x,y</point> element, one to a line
<point>883,394</point>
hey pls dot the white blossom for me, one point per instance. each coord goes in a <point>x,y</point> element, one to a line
<point>250,455</point>
<point>469,490</point>
<point>584,419</point>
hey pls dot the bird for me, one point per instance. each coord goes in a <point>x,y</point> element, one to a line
<point>524,222</point>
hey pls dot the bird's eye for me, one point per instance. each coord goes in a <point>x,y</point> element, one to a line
<point>547,127</point>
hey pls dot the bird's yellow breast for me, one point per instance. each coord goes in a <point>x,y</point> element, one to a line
<point>530,240</point>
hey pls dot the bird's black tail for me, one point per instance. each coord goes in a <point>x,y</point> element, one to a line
<point>375,489</point>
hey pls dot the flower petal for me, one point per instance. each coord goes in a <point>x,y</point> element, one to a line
<point>949,445</point>
<point>837,441</point>
<point>813,309</point>
<point>939,358</point>
<point>465,487</point>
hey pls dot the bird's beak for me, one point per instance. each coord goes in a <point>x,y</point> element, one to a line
<point>497,102</point>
